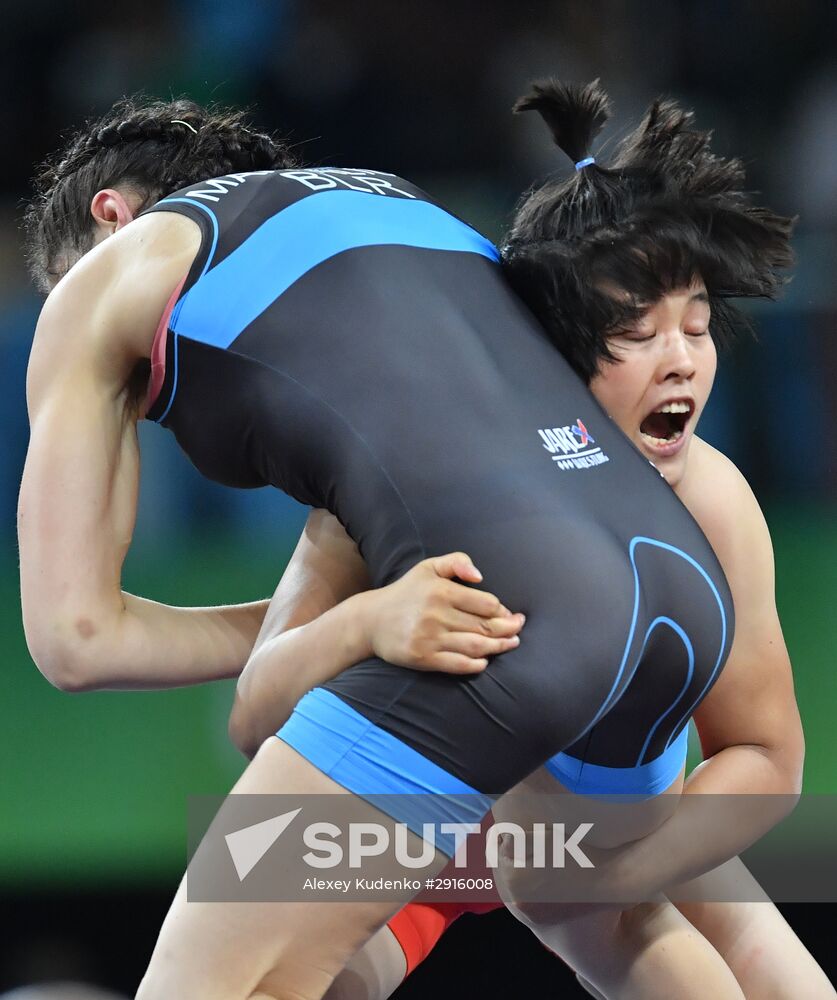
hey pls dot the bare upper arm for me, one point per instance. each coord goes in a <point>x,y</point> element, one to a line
<point>325,569</point>
<point>78,492</point>
<point>753,700</point>
<point>99,322</point>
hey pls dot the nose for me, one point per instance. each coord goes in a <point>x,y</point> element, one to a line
<point>676,360</point>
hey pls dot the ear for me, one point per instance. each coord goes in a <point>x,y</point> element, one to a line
<point>111,210</point>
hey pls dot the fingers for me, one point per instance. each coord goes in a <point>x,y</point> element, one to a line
<point>478,646</point>
<point>456,565</point>
<point>459,566</point>
<point>474,602</point>
<point>457,663</point>
<point>468,653</point>
<point>503,626</point>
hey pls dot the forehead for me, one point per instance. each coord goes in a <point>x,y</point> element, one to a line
<point>682,298</point>
<point>678,302</point>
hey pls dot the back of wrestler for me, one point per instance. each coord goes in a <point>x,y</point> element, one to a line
<point>342,337</point>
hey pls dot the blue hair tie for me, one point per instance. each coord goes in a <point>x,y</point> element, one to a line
<point>585,162</point>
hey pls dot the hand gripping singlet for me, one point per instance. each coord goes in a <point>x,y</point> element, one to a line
<point>342,337</point>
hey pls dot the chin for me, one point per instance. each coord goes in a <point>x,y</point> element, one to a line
<point>673,476</point>
<point>673,469</point>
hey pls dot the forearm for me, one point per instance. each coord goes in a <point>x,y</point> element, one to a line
<point>728,803</point>
<point>151,645</point>
<point>288,665</point>
<point>161,646</point>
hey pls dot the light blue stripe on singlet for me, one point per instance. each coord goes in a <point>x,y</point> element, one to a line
<point>177,308</point>
<point>380,768</point>
<point>690,669</point>
<point>655,543</point>
<point>288,245</point>
<point>643,781</point>
<point>207,211</point>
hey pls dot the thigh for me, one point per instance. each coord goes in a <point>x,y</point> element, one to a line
<point>647,952</point>
<point>225,951</point>
<point>758,944</point>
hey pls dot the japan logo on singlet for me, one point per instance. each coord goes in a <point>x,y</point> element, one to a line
<point>572,446</point>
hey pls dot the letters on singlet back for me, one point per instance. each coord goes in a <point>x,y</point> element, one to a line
<point>368,181</point>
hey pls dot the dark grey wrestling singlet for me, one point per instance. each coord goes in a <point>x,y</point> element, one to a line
<point>342,337</point>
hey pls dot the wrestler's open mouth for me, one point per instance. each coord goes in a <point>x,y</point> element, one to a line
<point>666,424</point>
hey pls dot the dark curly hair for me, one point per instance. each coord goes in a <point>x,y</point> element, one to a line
<point>589,254</point>
<point>152,147</point>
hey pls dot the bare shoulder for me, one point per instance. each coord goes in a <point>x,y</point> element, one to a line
<point>752,702</point>
<point>722,502</point>
<point>110,303</point>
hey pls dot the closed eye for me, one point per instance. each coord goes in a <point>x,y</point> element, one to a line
<point>636,338</point>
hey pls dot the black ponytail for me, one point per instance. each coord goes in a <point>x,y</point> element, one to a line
<point>151,147</point>
<point>575,114</point>
<point>592,252</point>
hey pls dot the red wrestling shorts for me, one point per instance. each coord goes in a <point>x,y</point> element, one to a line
<point>418,927</point>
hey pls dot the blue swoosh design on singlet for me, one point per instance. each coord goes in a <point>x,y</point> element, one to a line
<point>652,776</point>
<point>295,240</point>
<point>690,670</point>
<point>655,543</point>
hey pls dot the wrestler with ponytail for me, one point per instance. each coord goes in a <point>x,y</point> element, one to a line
<point>662,212</point>
<point>322,331</point>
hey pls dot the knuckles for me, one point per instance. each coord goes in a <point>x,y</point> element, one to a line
<point>474,647</point>
<point>414,650</point>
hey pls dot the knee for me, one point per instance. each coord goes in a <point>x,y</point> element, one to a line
<point>522,892</point>
<point>533,913</point>
<point>566,919</point>
<point>525,890</point>
<point>511,886</point>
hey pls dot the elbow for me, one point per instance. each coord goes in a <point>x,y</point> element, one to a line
<point>73,683</point>
<point>235,729</point>
<point>66,668</point>
<point>796,766</point>
<point>247,730</point>
<point>64,673</point>
<point>795,787</point>
<point>791,791</point>
<point>240,729</point>
<point>790,796</point>
<point>788,758</point>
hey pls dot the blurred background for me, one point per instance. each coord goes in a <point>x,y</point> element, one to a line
<point>94,787</point>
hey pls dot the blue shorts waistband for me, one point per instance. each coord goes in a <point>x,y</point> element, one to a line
<point>643,781</point>
<point>380,768</point>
